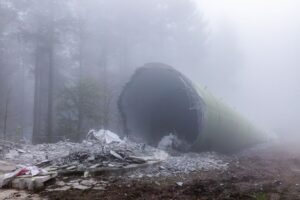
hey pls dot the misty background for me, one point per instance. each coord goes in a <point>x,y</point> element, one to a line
<point>63,63</point>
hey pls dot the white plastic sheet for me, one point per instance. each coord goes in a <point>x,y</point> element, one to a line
<point>104,136</point>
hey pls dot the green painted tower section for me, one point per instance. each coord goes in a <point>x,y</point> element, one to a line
<point>223,129</point>
<point>159,100</point>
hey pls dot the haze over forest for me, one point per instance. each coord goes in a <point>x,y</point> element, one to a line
<point>64,63</point>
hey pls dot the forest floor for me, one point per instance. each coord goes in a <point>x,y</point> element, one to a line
<point>267,173</point>
<point>271,172</point>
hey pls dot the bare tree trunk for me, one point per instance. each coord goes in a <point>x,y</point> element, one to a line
<point>50,76</point>
<point>6,113</point>
<point>80,79</point>
<point>50,97</point>
<point>36,109</point>
<point>22,66</point>
<point>44,85</point>
<point>106,94</point>
<point>79,126</point>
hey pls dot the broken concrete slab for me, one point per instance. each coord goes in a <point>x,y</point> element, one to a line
<point>60,183</point>
<point>31,183</point>
<point>88,183</point>
<point>78,186</point>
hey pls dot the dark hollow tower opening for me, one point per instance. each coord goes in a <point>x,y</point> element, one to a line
<point>159,101</point>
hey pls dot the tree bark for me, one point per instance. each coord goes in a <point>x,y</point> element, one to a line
<point>36,109</point>
<point>6,114</point>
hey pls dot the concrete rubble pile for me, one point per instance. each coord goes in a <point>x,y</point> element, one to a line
<point>102,153</point>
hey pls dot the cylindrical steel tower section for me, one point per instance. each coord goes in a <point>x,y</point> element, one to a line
<point>158,100</point>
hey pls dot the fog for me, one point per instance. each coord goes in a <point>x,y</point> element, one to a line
<point>63,64</point>
<point>266,82</point>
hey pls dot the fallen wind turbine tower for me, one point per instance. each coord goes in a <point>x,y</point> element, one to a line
<point>158,100</point>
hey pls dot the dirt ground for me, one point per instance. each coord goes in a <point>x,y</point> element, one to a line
<point>267,173</point>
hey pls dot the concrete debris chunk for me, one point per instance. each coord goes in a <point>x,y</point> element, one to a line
<point>5,179</point>
<point>71,168</point>
<point>31,183</point>
<point>94,166</point>
<point>180,184</point>
<point>116,155</point>
<point>104,136</point>
<point>60,183</point>
<point>34,165</point>
<point>88,183</point>
<point>78,186</point>
<point>86,174</point>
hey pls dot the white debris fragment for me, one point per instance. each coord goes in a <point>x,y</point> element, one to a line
<point>104,136</point>
<point>78,186</point>
<point>21,151</point>
<point>180,184</point>
<point>71,168</point>
<point>116,155</point>
<point>86,174</point>
<point>167,142</point>
<point>33,170</point>
<point>158,155</point>
<point>88,183</point>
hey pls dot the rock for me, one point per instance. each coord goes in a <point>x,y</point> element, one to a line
<point>60,183</point>
<point>88,183</point>
<point>73,181</point>
<point>79,186</point>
